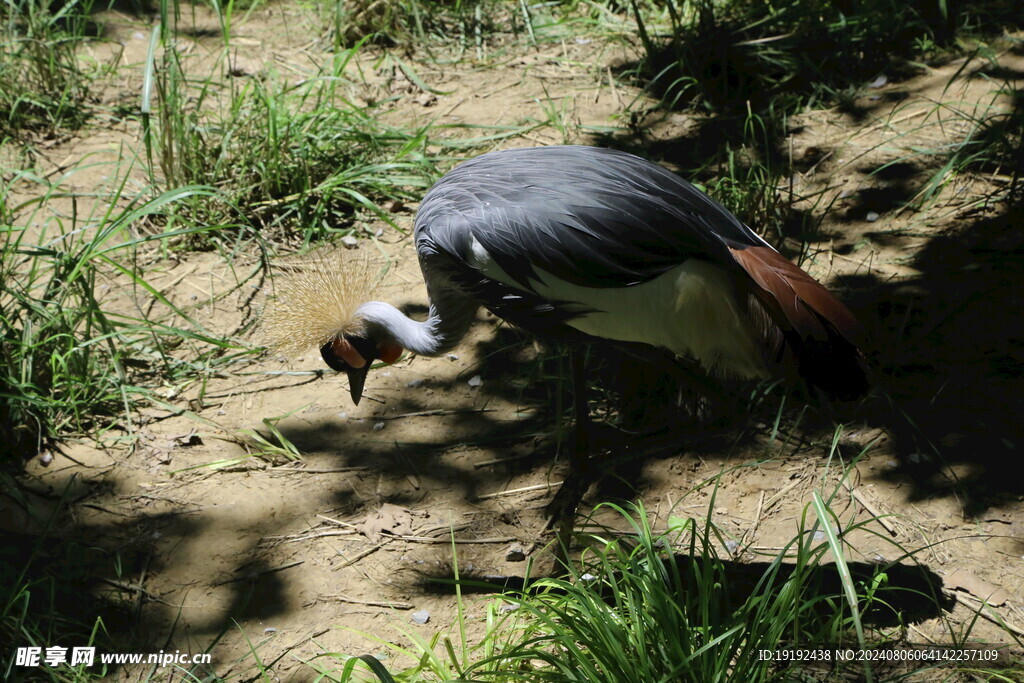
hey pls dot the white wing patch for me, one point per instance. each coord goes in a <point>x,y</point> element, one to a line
<point>689,310</point>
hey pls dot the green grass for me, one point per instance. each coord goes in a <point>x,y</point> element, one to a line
<point>419,24</point>
<point>71,360</point>
<point>725,57</point>
<point>992,149</point>
<point>296,157</point>
<point>43,82</point>
<point>668,606</point>
<point>39,599</point>
<point>742,68</point>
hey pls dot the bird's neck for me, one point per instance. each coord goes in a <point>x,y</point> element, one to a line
<point>450,317</point>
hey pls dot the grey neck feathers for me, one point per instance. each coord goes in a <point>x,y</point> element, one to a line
<point>450,316</point>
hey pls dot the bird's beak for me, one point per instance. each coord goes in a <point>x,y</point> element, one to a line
<point>356,376</point>
<point>356,380</point>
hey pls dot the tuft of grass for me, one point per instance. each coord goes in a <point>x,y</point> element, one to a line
<point>993,147</point>
<point>642,605</point>
<point>41,601</point>
<point>42,82</point>
<point>790,54</point>
<point>417,24</point>
<point>282,153</point>
<point>636,611</point>
<point>71,360</point>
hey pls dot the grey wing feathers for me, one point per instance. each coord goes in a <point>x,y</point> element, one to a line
<point>593,217</point>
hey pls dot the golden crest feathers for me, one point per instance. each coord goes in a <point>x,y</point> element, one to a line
<point>317,302</point>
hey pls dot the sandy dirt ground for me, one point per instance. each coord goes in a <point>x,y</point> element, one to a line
<point>185,537</point>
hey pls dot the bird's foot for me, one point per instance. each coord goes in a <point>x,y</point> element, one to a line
<point>561,513</point>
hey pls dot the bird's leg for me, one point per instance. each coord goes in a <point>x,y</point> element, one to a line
<point>581,408</point>
<point>562,509</point>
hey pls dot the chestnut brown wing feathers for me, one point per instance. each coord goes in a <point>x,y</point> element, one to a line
<point>823,335</point>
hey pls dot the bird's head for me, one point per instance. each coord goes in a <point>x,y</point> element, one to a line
<point>354,354</point>
<point>318,307</point>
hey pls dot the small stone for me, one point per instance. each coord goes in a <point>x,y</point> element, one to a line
<point>349,242</point>
<point>420,617</point>
<point>45,458</point>
<point>515,554</point>
<point>871,217</point>
<point>415,384</point>
<point>378,426</point>
<point>270,629</point>
<point>475,381</point>
<point>588,577</point>
<point>732,546</point>
<point>452,356</point>
<point>505,609</point>
<point>878,82</point>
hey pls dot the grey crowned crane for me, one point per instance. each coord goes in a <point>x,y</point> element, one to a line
<point>586,244</point>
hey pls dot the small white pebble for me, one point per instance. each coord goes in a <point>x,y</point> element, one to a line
<point>378,426</point>
<point>871,217</point>
<point>732,546</point>
<point>349,242</point>
<point>270,629</point>
<point>505,609</point>
<point>819,535</point>
<point>588,577</point>
<point>45,458</point>
<point>452,356</point>
<point>878,82</point>
<point>475,381</point>
<point>415,384</point>
<point>420,617</point>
